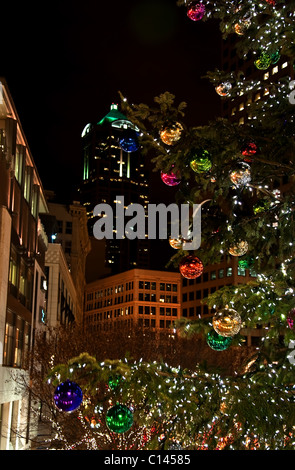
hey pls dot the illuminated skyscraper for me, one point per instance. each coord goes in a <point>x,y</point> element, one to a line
<point>114,166</point>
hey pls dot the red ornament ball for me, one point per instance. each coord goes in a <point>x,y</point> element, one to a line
<point>196,11</point>
<point>248,150</point>
<point>191,267</point>
<point>291,318</point>
<point>171,178</point>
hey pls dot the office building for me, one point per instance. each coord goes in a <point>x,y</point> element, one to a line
<point>61,294</point>
<point>147,298</point>
<point>114,166</point>
<point>66,225</point>
<point>40,287</point>
<point>23,244</point>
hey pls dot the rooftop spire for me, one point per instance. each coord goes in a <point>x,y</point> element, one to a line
<point>113,115</point>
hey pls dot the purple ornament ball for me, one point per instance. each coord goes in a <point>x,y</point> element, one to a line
<point>68,396</point>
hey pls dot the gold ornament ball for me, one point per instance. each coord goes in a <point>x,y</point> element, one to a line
<point>241,175</point>
<point>223,89</point>
<point>227,322</point>
<point>241,27</point>
<point>240,249</point>
<point>176,243</point>
<point>171,133</point>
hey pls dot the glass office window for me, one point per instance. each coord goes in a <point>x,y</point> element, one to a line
<point>229,272</point>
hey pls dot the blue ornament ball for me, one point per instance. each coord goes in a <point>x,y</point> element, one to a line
<point>129,141</point>
<point>68,396</point>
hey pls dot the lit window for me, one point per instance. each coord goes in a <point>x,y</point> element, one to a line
<point>275,70</point>
<point>284,65</point>
<point>266,76</point>
<point>241,271</point>
<point>35,197</point>
<point>253,273</point>
<point>28,183</point>
<point>13,270</point>
<point>19,161</point>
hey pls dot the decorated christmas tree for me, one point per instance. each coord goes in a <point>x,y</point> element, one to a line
<point>243,175</point>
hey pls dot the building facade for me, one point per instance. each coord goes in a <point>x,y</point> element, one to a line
<point>114,166</point>
<point>66,225</point>
<point>148,298</point>
<point>61,294</point>
<point>23,244</point>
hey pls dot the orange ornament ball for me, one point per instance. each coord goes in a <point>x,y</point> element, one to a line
<point>191,267</point>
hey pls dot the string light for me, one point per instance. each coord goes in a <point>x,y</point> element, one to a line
<point>191,394</point>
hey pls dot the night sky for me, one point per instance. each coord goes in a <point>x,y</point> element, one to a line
<point>64,62</point>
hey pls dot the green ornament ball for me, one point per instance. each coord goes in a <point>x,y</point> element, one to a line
<point>218,342</point>
<point>246,263</point>
<point>261,206</point>
<point>114,381</point>
<point>119,418</point>
<point>275,57</point>
<point>263,61</point>
<point>200,162</point>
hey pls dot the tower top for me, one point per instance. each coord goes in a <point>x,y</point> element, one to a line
<point>113,115</point>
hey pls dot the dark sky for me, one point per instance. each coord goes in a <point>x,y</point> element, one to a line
<point>65,61</point>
